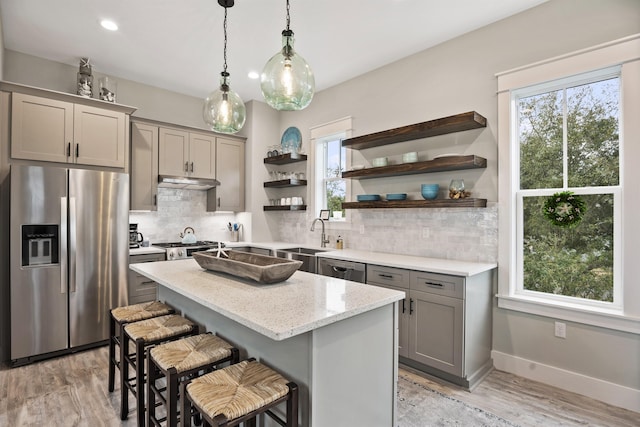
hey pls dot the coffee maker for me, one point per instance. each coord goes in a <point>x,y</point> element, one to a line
<point>135,237</point>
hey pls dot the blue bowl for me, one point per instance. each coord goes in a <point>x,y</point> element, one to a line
<point>429,191</point>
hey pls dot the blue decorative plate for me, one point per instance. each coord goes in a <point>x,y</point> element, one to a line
<point>292,139</point>
<point>368,197</point>
<point>397,196</point>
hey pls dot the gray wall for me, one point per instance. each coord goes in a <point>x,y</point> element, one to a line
<point>451,78</point>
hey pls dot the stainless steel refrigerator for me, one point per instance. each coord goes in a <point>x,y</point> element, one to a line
<point>69,257</point>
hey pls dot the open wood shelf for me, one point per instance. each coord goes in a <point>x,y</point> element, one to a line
<point>442,164</point>
<point>436,203</point>
<point>286,183</point>
<point>284,159</point>
<point>285,208</point>
<point>443,126</point>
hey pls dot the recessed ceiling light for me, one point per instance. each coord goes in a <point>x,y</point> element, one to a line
<point>109,25</point>
<point>253,75</point>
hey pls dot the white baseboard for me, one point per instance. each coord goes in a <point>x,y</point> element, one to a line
<point>610,393</point>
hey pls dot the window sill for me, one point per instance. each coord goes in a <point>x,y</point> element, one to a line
<point>604,318</point>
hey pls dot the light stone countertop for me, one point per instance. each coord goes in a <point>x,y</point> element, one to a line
<point>410,262</point>
<point>300,304</point>
<point>147,250</point>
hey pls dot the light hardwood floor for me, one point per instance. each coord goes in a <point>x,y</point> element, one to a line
<point>72,391</point>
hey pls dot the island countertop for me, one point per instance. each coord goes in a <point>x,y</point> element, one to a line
<point>279,311</point>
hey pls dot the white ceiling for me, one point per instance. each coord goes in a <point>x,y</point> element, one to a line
<point>177,44</point>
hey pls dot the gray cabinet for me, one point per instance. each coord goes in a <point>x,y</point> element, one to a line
<point>144,167</point>
<point>397,279</point>
<point>141,288</point>
<point>53,130</point>
<point>186,154</point>
<point>229,195</point>
<point>444,323</point>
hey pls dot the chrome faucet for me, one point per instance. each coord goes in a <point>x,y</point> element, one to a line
<point>324,241</point>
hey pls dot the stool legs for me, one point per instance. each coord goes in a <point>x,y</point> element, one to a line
<point>124,375</point>
<point>112,352</point>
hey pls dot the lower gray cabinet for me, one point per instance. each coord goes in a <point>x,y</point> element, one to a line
<point>445,322</point>
<point>397,279</point>
<point>141,288</point>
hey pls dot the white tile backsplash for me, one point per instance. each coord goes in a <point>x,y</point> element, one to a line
<point>466,234</point>
<point>178,209</point>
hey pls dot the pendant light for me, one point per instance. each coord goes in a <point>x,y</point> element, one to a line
<point>287,81</point>
<point>223,109</point>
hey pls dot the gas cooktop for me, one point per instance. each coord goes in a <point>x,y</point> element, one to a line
<point>179,250</point>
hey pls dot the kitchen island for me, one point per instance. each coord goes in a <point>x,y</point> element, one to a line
<point>335,338</point>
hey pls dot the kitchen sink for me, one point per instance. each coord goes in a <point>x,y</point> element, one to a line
<point>306,255</point>
<point>251,250</point>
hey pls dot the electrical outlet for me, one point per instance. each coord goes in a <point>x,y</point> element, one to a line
<point>561,330</point>
<point>425,232</point>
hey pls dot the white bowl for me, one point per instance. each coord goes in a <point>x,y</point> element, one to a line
<point>380,161</point>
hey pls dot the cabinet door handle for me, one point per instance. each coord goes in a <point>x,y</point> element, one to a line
<point>434,284</point>
<point>218,201</point>
<point>148,282</point>
<point>155,200</point>
<point>186,166</point>
<point>68,149</point>
<point>410,306</point>
<point>77,150</point>
<point>191,166</point>
<point>404,309</point>
<point>385,276</point>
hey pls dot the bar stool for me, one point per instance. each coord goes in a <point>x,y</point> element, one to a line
<point>119,316</point>
<point>178,360</point>
<point>146,333</point>
<point>239,393</point>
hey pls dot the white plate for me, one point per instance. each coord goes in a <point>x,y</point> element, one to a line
<point>356,167</point>
<point>446,155</point>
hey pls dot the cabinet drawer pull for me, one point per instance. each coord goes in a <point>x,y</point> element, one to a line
<point>410,306</point>
<point>385,276</point>
<point>434,285</point>
<point>148,282</point>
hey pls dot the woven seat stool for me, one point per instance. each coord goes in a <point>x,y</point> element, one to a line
<point>184,358</point>
<point>238,394</point>
<point>120,316</point>
<point>146,333</point>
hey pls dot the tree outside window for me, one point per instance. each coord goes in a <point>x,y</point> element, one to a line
<point>569,141</point>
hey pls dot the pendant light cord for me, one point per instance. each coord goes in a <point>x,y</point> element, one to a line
<point>225,43</point>
<point>288,16</point>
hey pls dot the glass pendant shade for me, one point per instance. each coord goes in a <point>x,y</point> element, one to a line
<point>223,109</point>
<point>287,80</point>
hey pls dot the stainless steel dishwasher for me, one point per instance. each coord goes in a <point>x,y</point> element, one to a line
<point>348,270</point>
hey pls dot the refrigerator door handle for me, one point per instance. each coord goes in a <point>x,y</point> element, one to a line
<point>63,245</point>
<point>72,244</point>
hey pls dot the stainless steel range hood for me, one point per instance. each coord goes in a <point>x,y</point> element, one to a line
<point>167,181</point>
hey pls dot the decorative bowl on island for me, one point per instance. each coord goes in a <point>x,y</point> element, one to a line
<point>429,191</point>
<point>261,268</point>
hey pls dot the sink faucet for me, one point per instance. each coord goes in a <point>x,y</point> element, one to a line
<point>324,241</point>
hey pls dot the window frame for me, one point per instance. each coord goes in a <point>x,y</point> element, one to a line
<point>341,129</point>
<point>624,316</point>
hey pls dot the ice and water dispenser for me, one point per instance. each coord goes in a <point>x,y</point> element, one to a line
<point>40,244</point>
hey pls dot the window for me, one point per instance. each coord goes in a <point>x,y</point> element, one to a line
<point>569,124</point>
<point>568,140</point>
<point>330,160</point>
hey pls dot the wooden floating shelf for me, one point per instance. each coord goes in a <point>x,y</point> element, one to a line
<point>443,126</point>
<point>285,183</point>
<point>437,165</point>
<point>285,208</point>
<point>283,159</point>
<point>436,203</point>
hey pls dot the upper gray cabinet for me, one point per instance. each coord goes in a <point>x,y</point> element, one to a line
<point>229,195</point>
<point>187,154</point>
<point>144,167</point>
<point>56,130</point>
